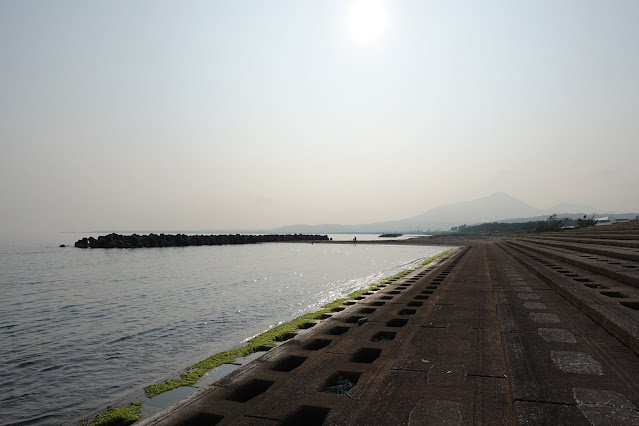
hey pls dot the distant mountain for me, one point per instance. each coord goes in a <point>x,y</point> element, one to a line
<point>487,209</point>
<point>497,207</point>
<point>568,207</point>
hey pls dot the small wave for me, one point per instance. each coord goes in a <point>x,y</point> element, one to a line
<point>130,336</point>
<point>52,368</point>
<point>45,419</point>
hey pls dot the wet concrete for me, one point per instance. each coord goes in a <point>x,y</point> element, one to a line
<point>509,332</point>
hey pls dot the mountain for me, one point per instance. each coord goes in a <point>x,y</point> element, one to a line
<point>487,209</point>
<point>497,207</point>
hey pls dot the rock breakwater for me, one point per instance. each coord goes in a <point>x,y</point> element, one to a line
<point>182,240</point>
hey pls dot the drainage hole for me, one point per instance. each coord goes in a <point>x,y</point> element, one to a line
<point>289,363</point>
<point>204,419</point>
<point>338,330</point>
<point>317,344</point>
<point>407,312</point>
<point>366,355</point>
<point>286,336</point>
<point>306,325</point>
<point>614,294</point>
<point>397,322</point>
<point>383,336</point>
<point>250,390</point>
<point>341,382</point>
<point>631,305</point>
<point>307,415</point>
<point>599,286</point>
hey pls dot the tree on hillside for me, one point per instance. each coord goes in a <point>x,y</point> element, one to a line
<point>552,224</point>
<point>586,221</point>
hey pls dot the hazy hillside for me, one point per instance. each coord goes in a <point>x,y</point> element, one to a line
<point>497,207</point>
<point>491,208</point>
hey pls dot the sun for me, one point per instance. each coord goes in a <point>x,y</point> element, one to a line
<point>367,20</point>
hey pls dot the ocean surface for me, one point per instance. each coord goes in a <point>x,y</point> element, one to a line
<point>81,328</point>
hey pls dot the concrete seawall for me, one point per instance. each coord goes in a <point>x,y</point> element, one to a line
<point>516,331</point>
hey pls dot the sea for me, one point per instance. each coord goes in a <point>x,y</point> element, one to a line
<point>81,328</point>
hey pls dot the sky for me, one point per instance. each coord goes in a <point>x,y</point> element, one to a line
<point>125,115</point>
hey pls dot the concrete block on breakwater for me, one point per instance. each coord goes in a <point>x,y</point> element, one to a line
<point>182,240</point>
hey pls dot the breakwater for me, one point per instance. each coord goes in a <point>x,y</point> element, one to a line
<point>182,240</point>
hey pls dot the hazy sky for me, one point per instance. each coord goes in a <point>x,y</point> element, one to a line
<point>255,114</point>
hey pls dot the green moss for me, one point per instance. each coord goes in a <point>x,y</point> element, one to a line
<point>268,339</point>
<point>115,416</point>
<point>430,259</point>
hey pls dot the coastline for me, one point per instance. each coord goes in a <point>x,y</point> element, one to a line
<point>136,404</point>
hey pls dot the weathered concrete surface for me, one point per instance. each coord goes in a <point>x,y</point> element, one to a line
<point>489,335</point>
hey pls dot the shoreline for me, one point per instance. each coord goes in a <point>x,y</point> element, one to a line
<point>129,407</point>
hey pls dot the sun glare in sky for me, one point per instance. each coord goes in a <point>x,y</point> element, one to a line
<point>367,20</point>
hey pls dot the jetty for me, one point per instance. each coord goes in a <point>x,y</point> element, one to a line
<point>527,331</point>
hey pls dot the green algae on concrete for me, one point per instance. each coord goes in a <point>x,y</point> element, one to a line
<point>115,416</point>
<point>430,259</point>
<point>269,338</point>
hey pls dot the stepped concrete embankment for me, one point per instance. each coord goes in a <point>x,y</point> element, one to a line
<point>499,331</point>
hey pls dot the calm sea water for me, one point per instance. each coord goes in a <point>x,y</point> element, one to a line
<point>81,328</point>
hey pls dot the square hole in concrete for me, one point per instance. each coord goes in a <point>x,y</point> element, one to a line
<point>366,310</point>
<point>307,415</point>
<point>394,292</point>
<point>407,312</point>
<point>431,287</point>
<point>338,330</point>
<point>317,344</point>
<point>286,336</point>
<point>349,303</point>
<point>421,297</point>
<point>383,336</point>
<point>583,280</point>
<point>631,305</point>
<point>378,303</point>
<point>341,382</point>
<point>250,390</point>
<point>353,319</point>
<point>396,322</point>
<point>415,304</point>
<point>359,298</point>
<point>614,294</point>
<point>596,286</point>
<point>289,363</point>
<point>306,325</point>
<point>203,419</point>
<point>366,355</point>
<point>401,288</point>
<point>338,309</point>
<point>386,297</point>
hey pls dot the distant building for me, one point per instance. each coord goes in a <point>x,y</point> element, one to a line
<point>568,223</point>
<point>606,220</point>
